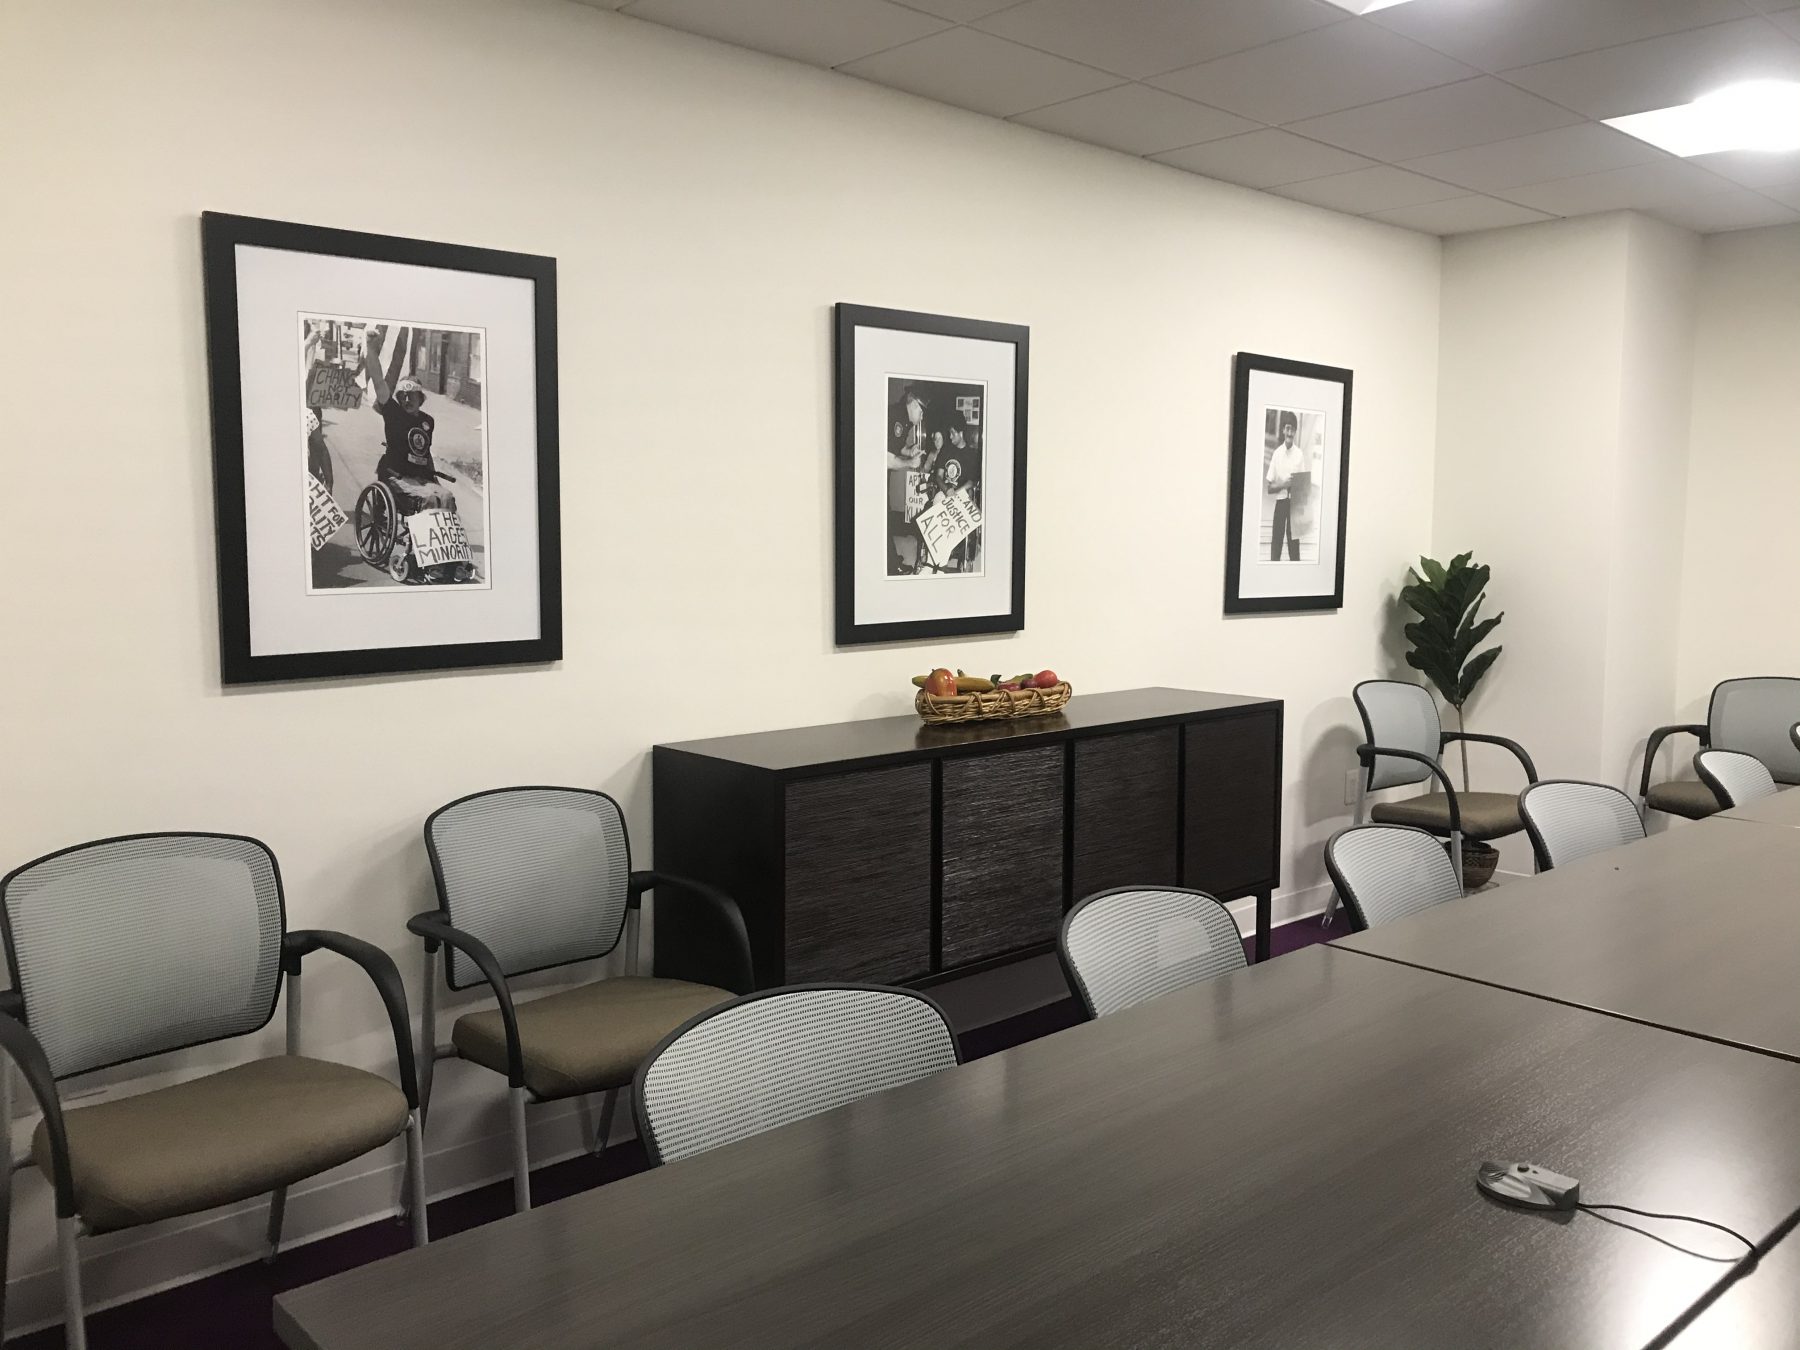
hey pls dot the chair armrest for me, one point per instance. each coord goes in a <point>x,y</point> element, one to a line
<point>1518,751</point>
<point>725,960</point>
<point>1366,755</point>
<point>1654,744</point>
<point>18,1042</point>
<point>382,972</point>
<point>436,929</point>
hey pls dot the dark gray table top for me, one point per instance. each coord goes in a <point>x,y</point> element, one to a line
<point>1761,1311</point>
<point>1283,1157</point>
<point>1696,929</point>
<point>1781,809</point>
<point>882,739</point>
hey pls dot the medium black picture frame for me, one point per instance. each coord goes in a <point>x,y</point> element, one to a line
<point>221,236</point>
<point>850,630</point>
<point>1244,366</point>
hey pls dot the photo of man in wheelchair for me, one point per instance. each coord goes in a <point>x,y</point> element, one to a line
<point>379,432</point>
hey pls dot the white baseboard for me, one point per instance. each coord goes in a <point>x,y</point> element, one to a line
<point>1286,907</point>
<point>117,1268</point>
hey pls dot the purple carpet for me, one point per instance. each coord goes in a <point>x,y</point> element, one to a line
<point>233,1309</point>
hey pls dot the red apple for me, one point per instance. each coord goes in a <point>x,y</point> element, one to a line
<point>940,684</point>
<point>1045,679</point>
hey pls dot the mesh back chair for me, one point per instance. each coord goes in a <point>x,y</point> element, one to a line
<point>1753,716</point>
<point>1403,743</point>
<point>1568,820</point>
<point>149,943</point>
<point>533,878</point>
<point>1121,947</point>
<point>1734,778</point>
<point>1386,872</point>
<point>781,1055</point>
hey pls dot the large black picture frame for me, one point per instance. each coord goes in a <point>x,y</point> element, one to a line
<point>221,236</point>
<point>1244,366</point>
<point>850,629</point>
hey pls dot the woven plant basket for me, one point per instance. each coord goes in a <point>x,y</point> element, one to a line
<point>998,704</point>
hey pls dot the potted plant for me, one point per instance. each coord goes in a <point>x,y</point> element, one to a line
<point>1443,640</point>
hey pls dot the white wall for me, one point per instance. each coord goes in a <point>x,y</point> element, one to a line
<point>706,207</point>
<point>1562,448</point>
<point>1742,545</point>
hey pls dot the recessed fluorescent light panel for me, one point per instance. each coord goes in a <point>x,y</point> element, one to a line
<point>1758,115</point>
<point>1366,6</point>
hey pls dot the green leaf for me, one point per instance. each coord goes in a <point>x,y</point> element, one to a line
<point>1433,570</point>
<point>1473,672</point>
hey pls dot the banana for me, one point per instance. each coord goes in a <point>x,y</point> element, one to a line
<point>973,684</point>
<point>920,680</point>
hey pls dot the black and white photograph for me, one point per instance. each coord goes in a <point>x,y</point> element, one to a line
<point>1293,475</point>
<point>929,475</point>
<point>934,477</point>
<point>396,453</point>
<point>1286,512</point>
<point>384,452</point>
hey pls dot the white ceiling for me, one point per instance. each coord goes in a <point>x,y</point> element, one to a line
<point>1440,115</point>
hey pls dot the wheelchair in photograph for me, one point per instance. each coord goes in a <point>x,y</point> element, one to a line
<point>384,538</point>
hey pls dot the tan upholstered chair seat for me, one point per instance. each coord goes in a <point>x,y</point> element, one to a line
<point>589,1038</point>
<point>230,1135</point>
<point>1485,815</point>
<point>1683,797</point>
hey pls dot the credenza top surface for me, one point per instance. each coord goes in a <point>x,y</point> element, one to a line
<point>906,738</point>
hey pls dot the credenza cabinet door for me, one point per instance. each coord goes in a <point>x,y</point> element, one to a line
<point>1126,810</point>
<point>1002,846</point>
<point>1233,774</point>
<point>858,861</point>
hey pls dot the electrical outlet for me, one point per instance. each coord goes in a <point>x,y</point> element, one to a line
<point>1350,777</point>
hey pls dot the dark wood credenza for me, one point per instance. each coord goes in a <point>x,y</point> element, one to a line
<point>895,852</point>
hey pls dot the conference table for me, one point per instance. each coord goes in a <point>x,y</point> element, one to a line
<point>1693,930</point>
<point>1760,1311</point>
<point>1281,1157</point>
<point>1783,808</point>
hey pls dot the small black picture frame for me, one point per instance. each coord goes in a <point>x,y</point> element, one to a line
<point>944,402</point>
<point>1297,567</point>
<point>515,620</point>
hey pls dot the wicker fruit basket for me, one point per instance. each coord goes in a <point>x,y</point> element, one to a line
<point>999,703</point>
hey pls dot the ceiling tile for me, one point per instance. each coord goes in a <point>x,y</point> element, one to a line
<point>1136,38</point>
<point>1447,118</point>
<point>1735,209</point>
<point>1753,168</point>
<point>806,30</point>
<point>1264,159</point>
<point>1361,191</point>
<point>1323,71</point>
<point>973,70</point>
<point>1500,34</point>
<point>1136,119</point>
<point>1788,21</point>
<point>959,11</point>
<point>1639,187</point>
<point>1663,72</point>
<point>1586,147</point>
<point>1460,215</point>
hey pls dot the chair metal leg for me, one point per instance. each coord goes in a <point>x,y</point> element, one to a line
<point>415,1178</point>
<point>427,1053</point>
<point>521,1163</point>
<point>1330,908</point>
<point>1362,792</point>
<point>277,1212</point>
<point>1456,857</point>
<point>609,1101</point>
<point>74,1320</point>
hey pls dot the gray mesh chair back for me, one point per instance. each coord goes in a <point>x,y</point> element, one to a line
<point>1753,717</point>
<point>133,946</point>
<point>1734,778</point>
<point>1386,872</point>
<point>1404,717</point>
<point>541,875</point>
<point>1568,820</point>
<point>1124,946</point>
<point>781,1055</point>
